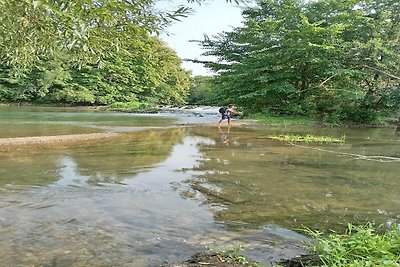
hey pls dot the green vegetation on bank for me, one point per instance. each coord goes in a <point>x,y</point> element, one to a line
<point>333,61</point>
<point>137,107</point>
<point>157,79</point>
<point>358,246</point>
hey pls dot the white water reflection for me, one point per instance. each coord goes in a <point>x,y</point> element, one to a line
<point>183,156</point>
<point>69,173</point>
<point>73,222</point>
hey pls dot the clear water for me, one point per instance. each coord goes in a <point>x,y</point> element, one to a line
<point>34,121</point>
<point>145,198</point>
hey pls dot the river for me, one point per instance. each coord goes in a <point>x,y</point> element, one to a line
<point>164,189</point>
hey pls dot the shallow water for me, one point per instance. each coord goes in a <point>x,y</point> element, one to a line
<point>322,186</point>
<point>150,197</point>
<point>35,121</point>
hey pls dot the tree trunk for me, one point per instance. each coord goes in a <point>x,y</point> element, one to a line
<point>398,125</point>
<point>320,118</point>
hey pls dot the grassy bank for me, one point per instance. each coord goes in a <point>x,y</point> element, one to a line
<point>358,246</point>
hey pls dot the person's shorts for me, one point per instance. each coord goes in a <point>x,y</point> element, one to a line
<point>225,116</point>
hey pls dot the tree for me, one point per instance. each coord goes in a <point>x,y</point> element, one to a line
<point>202,91</point>
<point>91,30</point>
<point>316,57</point>
<point>88,52</point>
<point>148,72</point>
<point>31,30</point>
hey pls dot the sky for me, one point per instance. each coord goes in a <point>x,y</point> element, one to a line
<point>211,17</point>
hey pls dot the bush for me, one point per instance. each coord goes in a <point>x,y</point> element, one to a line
<point>130,106</point>
<point>75,94</point>
<point>358,115</point>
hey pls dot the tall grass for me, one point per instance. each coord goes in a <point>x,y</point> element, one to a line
<point>358,246</point>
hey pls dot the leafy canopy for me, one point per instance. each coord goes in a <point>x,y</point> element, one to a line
<point>337,60</point>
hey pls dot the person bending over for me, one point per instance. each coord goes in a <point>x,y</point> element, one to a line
<point>227,113</point>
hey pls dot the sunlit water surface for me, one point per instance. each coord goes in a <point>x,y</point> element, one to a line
<point>155,196</point>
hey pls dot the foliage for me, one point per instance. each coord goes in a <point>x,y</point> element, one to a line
<point>90,30</point>
<point>149,72</point>
<point>334,60</point>
<point>87,29</point>
<point>272,118</point>
<point>359,246</point>
<point>309,138</point>
<point>202,91</point>
<point>131,106</point>
<point>88,52</point>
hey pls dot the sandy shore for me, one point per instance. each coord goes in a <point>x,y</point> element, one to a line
<point>6,143</point>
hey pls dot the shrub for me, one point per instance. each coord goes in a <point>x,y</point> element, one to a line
<point>130,106</point>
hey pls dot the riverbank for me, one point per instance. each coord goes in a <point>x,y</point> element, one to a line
<point>6,144</point>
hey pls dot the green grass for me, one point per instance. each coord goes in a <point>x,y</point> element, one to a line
<point>308,138</point>
<point>358,246</point>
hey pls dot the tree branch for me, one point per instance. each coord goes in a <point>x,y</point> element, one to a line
<point>381,71</point>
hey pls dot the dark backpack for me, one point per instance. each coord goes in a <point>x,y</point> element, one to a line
<point>222,110</point>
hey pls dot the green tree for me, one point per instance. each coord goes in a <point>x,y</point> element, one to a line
<point>33,29</point>
<point>327,58</point>
<point>148,72</point>
<point>91,29</point>
<point>88,52</point>
<point>202,91</point>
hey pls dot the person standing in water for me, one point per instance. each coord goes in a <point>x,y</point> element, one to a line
<point>227,113</point>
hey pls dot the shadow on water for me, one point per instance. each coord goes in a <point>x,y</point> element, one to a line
<point>157,196</point>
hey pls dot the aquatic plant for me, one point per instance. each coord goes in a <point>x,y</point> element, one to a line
<point>308,138</point>
<point>230,256</point>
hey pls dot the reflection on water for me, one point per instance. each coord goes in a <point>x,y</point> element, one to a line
<point>147,197</point>
<point>322,186</point>
<point>119,202</point>
<point>35,121</point>
<point>108,214</point>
